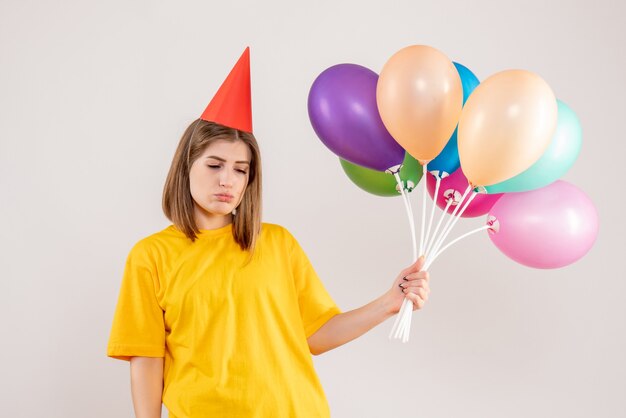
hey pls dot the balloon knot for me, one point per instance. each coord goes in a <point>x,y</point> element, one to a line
<point>494,224</point>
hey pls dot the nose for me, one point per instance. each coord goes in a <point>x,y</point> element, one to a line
<point>226,179</point>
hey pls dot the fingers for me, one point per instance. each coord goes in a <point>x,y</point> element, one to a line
<point>419,279</point>
<point>418,302</point>
<point>416,288</point>
<point>413,285</point>
<point>420,275</point>
<point>421,290</point>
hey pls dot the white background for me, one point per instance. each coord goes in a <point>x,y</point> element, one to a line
<point>95,95</point>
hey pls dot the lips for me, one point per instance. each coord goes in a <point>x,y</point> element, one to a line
<point>222,197</point>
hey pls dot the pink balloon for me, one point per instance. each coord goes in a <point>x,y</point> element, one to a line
<point>545,228</point>
<point>454,186</point>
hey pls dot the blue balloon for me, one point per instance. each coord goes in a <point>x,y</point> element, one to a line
<point>448,159</point>
<point>468,79</point>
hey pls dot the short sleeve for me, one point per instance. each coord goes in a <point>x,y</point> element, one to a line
<point>316,305</point>
<point>138,325</point>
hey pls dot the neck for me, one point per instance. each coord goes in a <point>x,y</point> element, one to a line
<point>205,220</point>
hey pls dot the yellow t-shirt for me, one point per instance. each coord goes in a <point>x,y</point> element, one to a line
<point>234,335</point>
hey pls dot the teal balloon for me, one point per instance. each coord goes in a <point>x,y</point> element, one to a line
<point>381,183</point>
<point>555,161</point>
<point>448,159</point>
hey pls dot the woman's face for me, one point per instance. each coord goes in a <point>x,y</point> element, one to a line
<point>218,180</point>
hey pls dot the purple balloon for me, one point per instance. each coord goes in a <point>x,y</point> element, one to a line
<point>544,228</point>
<point>343,112</point>
<point>454,186</point>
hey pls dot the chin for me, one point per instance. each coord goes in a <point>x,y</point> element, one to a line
<point>216,210</point>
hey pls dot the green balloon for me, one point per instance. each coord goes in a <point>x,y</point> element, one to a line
<point>555,161</point>
<point>384,184</point>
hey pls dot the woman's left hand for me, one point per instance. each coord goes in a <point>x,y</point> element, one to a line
<point>410,283</point>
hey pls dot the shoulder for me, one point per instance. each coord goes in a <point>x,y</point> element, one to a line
<point>269,228</point>
<point>152,245</point>
<point>279,236</point>
<point>276,232</point>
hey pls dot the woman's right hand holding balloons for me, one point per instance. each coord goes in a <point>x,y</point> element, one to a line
<point>411,283</point>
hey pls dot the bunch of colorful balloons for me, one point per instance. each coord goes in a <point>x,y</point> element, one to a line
<point>498,147</point>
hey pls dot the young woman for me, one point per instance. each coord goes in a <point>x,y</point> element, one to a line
<point>218,313</point>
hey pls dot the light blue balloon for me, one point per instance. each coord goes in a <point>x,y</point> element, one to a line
<point>448,159</point>
<point>555,161</point>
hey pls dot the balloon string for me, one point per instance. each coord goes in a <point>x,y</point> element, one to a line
<point>397,329</point>
<point>482,228</point>
<point>407,326</point>
<point>425,192</point>
<point>447,232</point>
<point>405,316</point>
<point>432,213</point>
<point>409,211</point>
<point>412,226</point>
<point>450,219</point>
<point>443,215</point>
<point>400,319</point>
<point>456,219</point>
<point>404,327</point>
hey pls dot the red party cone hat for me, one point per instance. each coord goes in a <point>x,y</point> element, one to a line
<point>232,104</point>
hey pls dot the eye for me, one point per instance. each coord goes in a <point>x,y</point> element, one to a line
<point>214,166</point>
<point>241,170</point>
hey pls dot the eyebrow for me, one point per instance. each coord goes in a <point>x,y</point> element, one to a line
<point>223,160</point>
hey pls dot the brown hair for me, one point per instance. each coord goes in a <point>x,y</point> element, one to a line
<point>178,203</point>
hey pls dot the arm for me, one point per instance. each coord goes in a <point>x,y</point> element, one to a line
<point>342,328</point>
<point>146,381</point>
